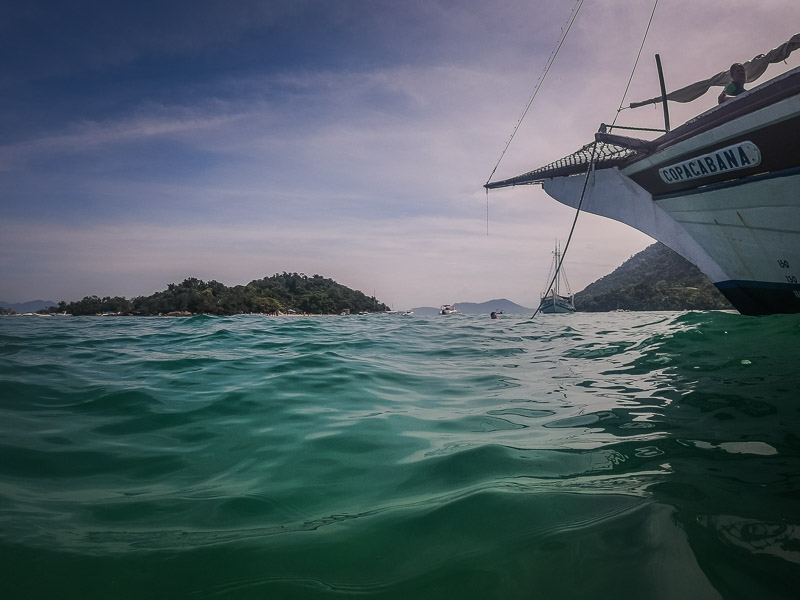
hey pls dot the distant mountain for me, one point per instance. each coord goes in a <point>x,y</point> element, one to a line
<point>32,306</point>
<point>474,308</point>
<point>656,278</point>
<point>500,305</point>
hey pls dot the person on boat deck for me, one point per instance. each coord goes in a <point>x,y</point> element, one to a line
<point>736,86</point>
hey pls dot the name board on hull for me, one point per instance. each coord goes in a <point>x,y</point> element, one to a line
<point>732,158</point>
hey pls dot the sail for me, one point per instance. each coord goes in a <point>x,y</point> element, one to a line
<point>753,70</point>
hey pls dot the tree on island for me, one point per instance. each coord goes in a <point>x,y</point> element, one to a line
<point>282,292</point>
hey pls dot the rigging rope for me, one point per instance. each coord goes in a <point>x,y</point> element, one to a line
<point>572,229</point>
<point>636,62</point>
<point>539,83</point>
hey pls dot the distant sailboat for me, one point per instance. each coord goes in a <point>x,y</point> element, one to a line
<point>552,301</point>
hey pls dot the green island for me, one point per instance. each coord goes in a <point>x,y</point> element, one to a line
<point>284,293</point>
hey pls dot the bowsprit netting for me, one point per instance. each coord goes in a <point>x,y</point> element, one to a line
<point>601,154</point>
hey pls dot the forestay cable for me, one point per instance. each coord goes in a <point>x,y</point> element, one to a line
<point>636,62</point>
<point>539,83</point>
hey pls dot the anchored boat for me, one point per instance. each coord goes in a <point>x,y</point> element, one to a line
<point>721,190</point>
<point>558,299</point>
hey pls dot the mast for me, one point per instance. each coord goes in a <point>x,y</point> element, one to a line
<point>663,91</point>
<point>556,257</point>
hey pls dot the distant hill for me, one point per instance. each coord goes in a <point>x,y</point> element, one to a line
<point>477,308</point>
<point>506,306</point>
<point>656,278</point>
<point>23,307</point>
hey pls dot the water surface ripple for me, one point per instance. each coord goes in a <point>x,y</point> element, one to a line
<point>620,455</point>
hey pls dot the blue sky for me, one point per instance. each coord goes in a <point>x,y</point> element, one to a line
<point>145,142</point>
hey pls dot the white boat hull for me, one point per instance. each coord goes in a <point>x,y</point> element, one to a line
<point>752,231</point>
<point>744,236</point>
<point>559,305</point>
<point>741,228</point>
<point>722,190</point>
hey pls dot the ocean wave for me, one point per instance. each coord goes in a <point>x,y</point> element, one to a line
<point>393,457</point>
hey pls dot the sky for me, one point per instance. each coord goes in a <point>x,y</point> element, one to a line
<point>145,142</point>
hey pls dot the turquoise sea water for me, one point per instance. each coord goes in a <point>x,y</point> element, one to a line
<point>620,455</point>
